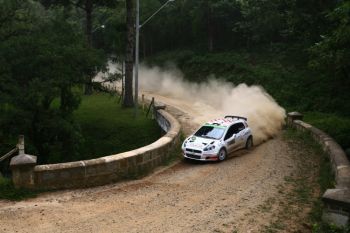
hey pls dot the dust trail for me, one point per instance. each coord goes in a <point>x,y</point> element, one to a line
<point>217,98</point>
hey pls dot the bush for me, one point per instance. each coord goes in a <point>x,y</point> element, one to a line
<point>9,192</point>
<point>335,125</point>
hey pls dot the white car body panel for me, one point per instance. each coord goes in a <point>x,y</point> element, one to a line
<point>195,147</point>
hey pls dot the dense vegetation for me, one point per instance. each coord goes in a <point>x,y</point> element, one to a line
<point>283,74</point>
<point>43,58</point>
<point>298,50</point>
<point>46,56</point>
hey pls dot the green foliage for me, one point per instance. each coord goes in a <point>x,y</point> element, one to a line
<point>111,37</point>
<point>42,63</point>
<point>107,128</point>
<point>275,69</point>
<point>332,53</point>
<point>329,228</point>
<point>9,192</point>
<point>336,126</point>
<point>262,21</point>
<point>216,25</point>
<point>44,56</point>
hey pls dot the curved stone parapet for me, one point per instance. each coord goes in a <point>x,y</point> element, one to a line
<point>111,168</point>
<point>337,200</point>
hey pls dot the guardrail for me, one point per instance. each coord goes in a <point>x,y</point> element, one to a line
<point>19,147</point>
<point>9,154</point>
<point>336,200</point>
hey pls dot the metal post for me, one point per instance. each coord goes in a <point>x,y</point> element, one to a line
<point>137,56</point>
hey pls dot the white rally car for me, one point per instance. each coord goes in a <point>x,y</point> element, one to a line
<point>217,138</point>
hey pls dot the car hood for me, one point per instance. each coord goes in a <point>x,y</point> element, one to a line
<point>199,142</point>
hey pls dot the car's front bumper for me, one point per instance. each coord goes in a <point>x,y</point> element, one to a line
<point>200,156</point>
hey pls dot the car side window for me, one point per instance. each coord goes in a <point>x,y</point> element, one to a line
<point>240,127</point>
<point>234,129</point>
<point>230,132</point>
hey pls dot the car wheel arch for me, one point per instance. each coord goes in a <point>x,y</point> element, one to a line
<point>250,138</point>
<point>223,148</point>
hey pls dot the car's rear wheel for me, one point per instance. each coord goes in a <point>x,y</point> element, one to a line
<point>249,143</point>
<point>222,155</point>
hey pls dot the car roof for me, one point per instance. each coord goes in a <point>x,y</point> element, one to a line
<point>224,122</point>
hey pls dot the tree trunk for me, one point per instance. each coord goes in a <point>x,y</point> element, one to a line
<point>88,15</point>
<point>210,28</point>
<point>129,58</point>
<point>88,31</point>
<point>65,98</point>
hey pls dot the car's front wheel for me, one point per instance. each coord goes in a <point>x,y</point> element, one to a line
<point>222,155</point>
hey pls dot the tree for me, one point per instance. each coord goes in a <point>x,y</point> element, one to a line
<point>43,66</point>
<point>87,6</point>
<point>333,51</point>
<point>331,56</point>
<point>129,57</point>
<point>262,21</point>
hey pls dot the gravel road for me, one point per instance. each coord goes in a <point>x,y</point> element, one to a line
<point>185,197</point>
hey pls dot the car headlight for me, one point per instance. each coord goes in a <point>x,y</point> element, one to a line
<point>208,148</point>
<point>184,144</point>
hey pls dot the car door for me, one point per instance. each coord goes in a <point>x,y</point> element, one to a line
<point>230,140</point>
<point>240,134</point>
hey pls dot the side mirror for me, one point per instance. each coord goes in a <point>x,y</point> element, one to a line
<point>232,139</point>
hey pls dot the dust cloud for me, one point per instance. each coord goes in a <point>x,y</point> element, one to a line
<point>217,98</point>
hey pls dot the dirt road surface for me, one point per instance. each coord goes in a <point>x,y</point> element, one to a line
<point>186,197</point>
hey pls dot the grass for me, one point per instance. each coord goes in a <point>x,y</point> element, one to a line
<point>300,196</point>
<point>107,128</point>
<point>9,192</point>
<point>325,178</point>
<point>305,189</point>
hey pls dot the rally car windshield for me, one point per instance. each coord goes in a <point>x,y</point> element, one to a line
<point>210,132</point>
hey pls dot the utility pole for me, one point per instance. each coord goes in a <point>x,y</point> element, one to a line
<point>137,44</point>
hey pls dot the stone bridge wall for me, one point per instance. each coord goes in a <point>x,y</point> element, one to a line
<point>102,170</point>
<point>336,200</point>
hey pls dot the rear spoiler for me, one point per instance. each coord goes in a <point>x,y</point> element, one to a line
<point>237,117</point>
